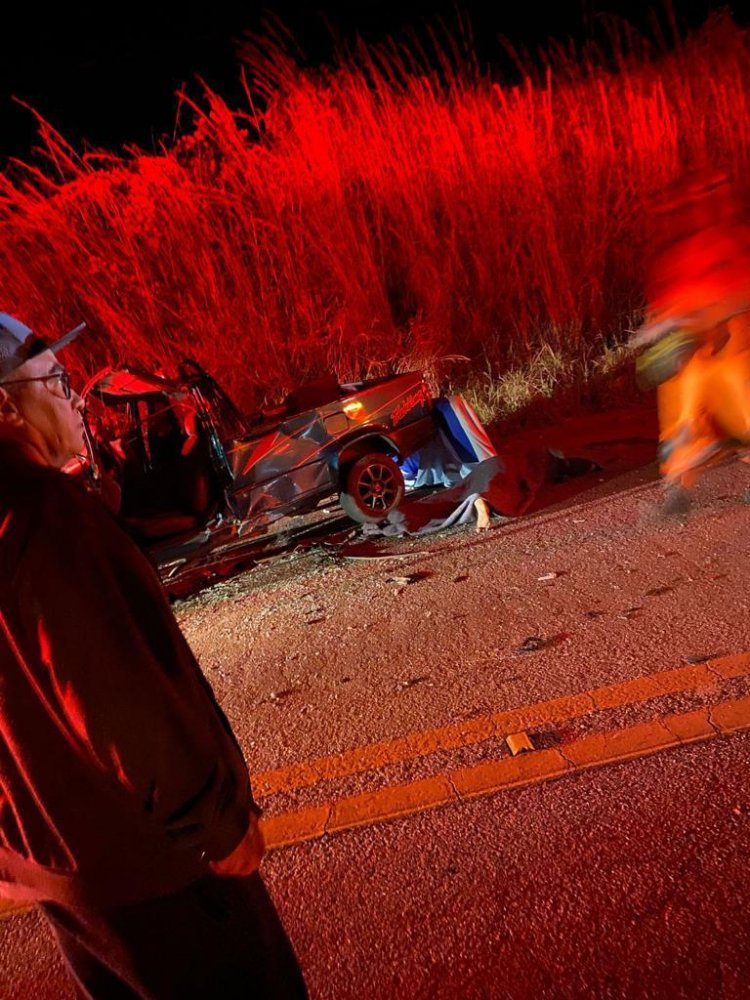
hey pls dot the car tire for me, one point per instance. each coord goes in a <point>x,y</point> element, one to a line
<point>372,487</point>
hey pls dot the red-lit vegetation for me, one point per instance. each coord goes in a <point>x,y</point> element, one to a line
<point>378,215</point>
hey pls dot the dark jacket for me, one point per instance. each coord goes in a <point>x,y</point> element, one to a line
<point>120,778</point>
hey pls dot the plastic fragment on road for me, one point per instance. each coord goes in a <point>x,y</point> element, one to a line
<point>631,612</point>
<point>408,578</point>
<point>410,682</point>
<point>535,643</point>
<point>519,743</point>
<point>531,644</point>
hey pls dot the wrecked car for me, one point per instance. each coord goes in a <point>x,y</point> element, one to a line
<point>195,480</point>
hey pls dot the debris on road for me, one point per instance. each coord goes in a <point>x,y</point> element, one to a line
<point>531,644</point>
<point>630,612</point>
<point>534,643</point>
<point>407,578</point>
<point>519,743</point>
<point>278,696</point>
<point>411,682</point>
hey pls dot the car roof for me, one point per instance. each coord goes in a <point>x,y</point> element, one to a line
<point>122,384</point>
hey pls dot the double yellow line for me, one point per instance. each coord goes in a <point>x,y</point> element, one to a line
<point>588,751</point>
<point>592,750</point>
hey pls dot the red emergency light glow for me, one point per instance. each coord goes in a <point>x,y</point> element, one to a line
<point>376,216</point>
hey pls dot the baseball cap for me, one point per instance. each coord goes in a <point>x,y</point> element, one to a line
<point>18,343</point>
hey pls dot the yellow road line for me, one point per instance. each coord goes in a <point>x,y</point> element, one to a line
<point>454,786</point>
<point>469,732</point>
<point>594,750</point>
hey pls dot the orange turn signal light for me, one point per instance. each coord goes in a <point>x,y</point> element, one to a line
<point>353,409</point>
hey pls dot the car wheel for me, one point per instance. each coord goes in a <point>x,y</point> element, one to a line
<point>372,487</point>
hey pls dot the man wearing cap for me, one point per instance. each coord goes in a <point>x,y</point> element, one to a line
<point>125,803</point>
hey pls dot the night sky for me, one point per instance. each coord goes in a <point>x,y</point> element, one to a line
<point>115,85</point>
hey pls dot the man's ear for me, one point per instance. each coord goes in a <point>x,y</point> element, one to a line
<point>10,415</point>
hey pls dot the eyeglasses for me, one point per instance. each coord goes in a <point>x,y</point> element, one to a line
<point>60,383</point>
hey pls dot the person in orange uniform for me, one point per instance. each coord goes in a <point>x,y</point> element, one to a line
<point>697,336</point>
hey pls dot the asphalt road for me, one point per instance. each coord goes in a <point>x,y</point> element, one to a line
<point>627,880</point>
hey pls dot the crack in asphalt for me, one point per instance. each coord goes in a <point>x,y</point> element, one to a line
<point>719,676</point>
<point>327,821</point>
<point>592,700</point>
<point>459,797</point>
<point>716,728</point>
<point>680,739</point>
<point>663,725</point>
<point>571,764</point>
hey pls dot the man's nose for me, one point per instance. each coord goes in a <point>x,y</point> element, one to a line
<point>77,402</point>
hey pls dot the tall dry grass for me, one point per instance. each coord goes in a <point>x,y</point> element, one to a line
<point>398,209</point>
